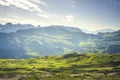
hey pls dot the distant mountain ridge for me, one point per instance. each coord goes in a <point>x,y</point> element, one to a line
<point>9,27</point>
<point>103,31</point>
<point>55,40</point>
<point>98,31</point>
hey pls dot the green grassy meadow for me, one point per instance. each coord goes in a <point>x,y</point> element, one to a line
<point>73,66</point>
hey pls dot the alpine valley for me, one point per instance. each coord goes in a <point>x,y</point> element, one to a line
<point>24,41</point>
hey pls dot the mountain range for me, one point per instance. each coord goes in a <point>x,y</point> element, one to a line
<point>9,27</point>
<point>23,41</point>
<point>98,31</point>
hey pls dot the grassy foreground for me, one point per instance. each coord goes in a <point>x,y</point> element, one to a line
<point>72,66</point>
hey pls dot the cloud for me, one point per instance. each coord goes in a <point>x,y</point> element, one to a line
<point>15,20</point>
<point>115,3</point>
<point>72,3</point>
<point>69,18</point>
<point>30,5</point>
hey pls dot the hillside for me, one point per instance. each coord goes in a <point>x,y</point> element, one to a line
<point>56,40</point>
<point>73,66</point>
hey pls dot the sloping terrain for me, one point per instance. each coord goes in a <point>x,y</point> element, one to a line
<point>56,40</point>
<point>41,42</point>
<point>72,66</point>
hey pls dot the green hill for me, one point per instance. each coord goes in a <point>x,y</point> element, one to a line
<point>56,40</point>
<point>74,66</point>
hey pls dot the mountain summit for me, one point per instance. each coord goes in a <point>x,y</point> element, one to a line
<point>9,27</point>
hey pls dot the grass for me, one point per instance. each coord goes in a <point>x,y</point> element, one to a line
<point>66,67</point>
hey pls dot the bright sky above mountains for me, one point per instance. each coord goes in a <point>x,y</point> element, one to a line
<point>88,14</point>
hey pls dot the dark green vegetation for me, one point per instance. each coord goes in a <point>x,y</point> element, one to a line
<point>54,40</point>
<point>73,66</point>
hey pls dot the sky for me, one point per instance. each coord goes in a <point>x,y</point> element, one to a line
<point>87,14</point>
